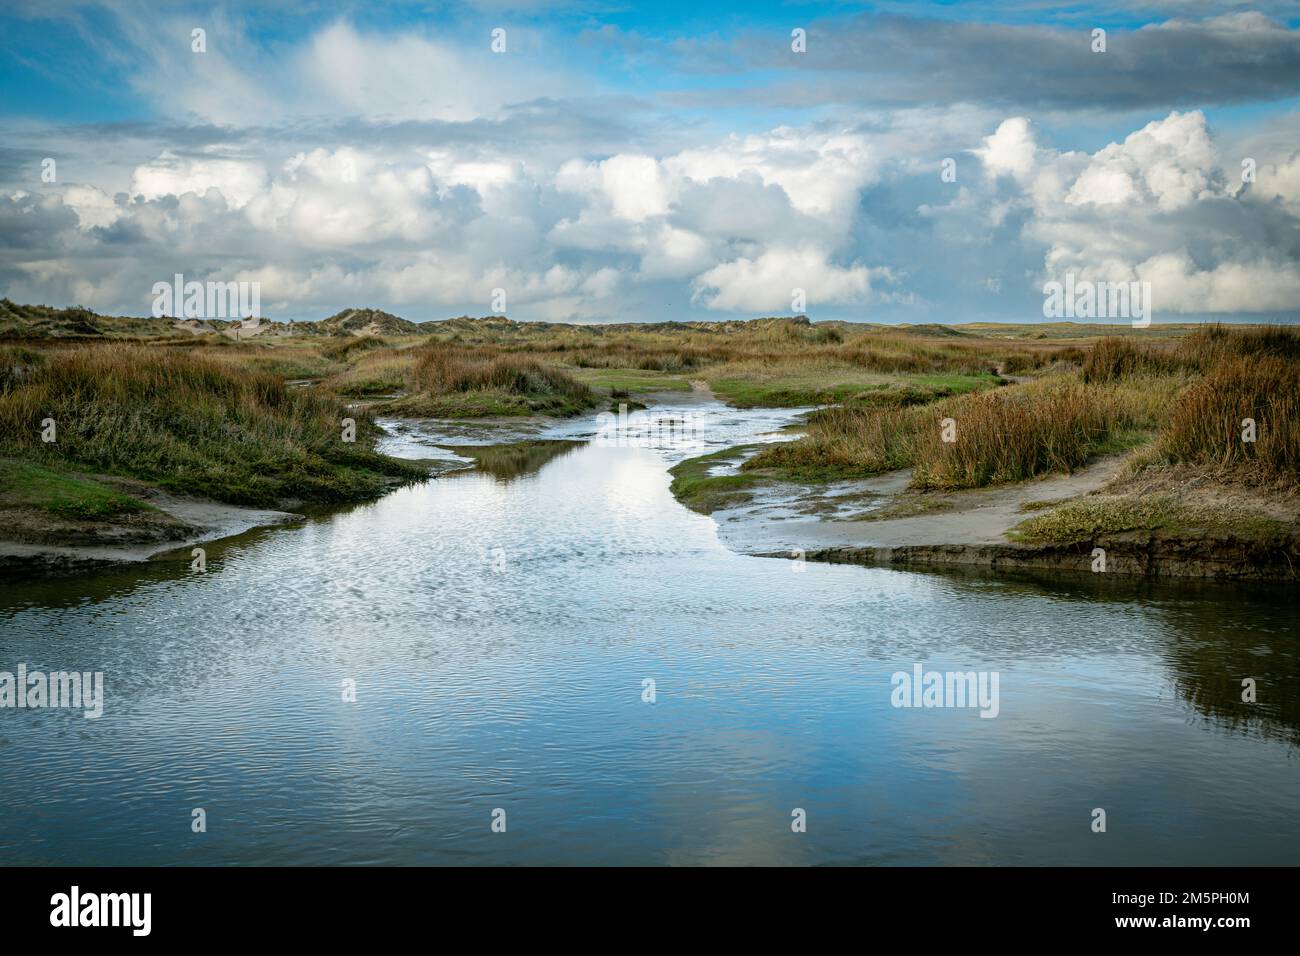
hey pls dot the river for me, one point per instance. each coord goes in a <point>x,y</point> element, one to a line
<point>502,627</point>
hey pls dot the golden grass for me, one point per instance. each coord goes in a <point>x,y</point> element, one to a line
<point>188,423</point>
<point>1211,422</point>
<point>1196,392</point>
<point>441,370</point>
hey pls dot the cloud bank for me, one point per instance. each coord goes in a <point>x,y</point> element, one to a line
<point>401,169</point>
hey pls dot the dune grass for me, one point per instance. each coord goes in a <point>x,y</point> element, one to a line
<point>189,424</point>
<point>455,382</point>
<point>1241,421</point>
<point>1007,434</point>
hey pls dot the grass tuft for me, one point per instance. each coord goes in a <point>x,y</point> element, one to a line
<point>191,425</point>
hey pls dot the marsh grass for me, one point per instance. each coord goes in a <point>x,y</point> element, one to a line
<point>1006,434</point>
<point>213,411</point>
<point>848,441</point>
<point>378,371</point>
<point>189,424</point>
<point>350,349</point>
<point>694,484</point>
<point>453,382</point>
<point>1019,433</point>
<point>1206,426</point>
<point>1194,392</point>
<point>25,485</point>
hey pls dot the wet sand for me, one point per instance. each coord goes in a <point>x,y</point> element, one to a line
<point>777,519</point>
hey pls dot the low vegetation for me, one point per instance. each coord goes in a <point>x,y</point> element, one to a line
<point>188,424</point>
<point>1241,421</point>
<point>1087,519</point>
<point>1198,394</point>
<point>27,486</point>
<point>1008,434</point>
<point>453,382</point>
<point>194,410</point>
<point>698,484</point>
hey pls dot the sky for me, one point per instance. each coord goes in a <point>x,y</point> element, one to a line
<point>608,161</point>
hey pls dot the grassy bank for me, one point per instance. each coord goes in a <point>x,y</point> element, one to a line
<point>968,441</point>
<point>465,383</point>
<point>1195,398</point>
<point>188,424</point>
<point>24,486</point>
<point>1197,439</point>
<point>1090,519</point>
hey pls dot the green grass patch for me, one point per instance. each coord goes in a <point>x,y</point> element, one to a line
<point>1086,519</point>
<point>24,485</point>
<point>359,385</point>
<point>450,382</point>
<point>796,390</point>
<point>697,489</point>
<point>286,361</point>
<point>630,380</point>
<point>483,403</point>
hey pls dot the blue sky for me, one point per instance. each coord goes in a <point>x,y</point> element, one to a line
<point>649,162</point>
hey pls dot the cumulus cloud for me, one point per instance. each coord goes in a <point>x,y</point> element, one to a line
<point>1010,150</point>
<point>451,227</point>
<point>413,169</point>
<point>735,225</point>
<point>1168,163</point>
<point>1156,207</point>
<point>767,282</point>
<point>171,175</point>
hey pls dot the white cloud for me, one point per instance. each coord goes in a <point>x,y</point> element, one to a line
<point>171,175</point>
<point>1178,285</point>
<point>93,207</point>
<point>820,173</point>
<point>732,225</point>
<point>1168,162</point>
<point>1010,151</point>
<point>632,187</point>
<point>1158,207</point>
<point>766,283</point>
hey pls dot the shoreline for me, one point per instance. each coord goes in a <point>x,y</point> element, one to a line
<point>876,521</point>
<point>205,521</point>
<point>833,523</point>
<point>1135,557</point>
